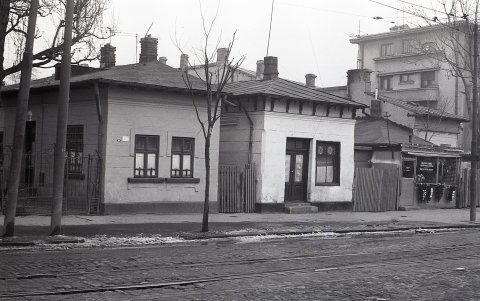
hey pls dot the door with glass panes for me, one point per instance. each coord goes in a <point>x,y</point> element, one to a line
<point>296,169</point>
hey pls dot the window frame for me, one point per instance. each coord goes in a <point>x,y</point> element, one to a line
<point>145,153</point>
<point>408,46</point>
<point>76,145</point>
<point>181,153</point>
<point>389,83</point>
<point>409,79</point>
<point>430,82</point>
<point>336,164</point>
<point>386,50</point>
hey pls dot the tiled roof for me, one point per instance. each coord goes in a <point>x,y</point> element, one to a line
<point>418,109</point>
<point>374,132</point>
<point>280,87</point>
<point>152,74</point>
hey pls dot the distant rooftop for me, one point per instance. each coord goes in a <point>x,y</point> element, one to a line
<point>285,88</point>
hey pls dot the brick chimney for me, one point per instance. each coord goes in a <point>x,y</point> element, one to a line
<point>183,61</point>
<point>260,69</point>
<point>221,56</point>
<point>271,67</point>
<point>163,60</point>
<point>148,49</point>
<point>107,56</point>
<point>310,80</point>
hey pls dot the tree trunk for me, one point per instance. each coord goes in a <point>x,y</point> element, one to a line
<point>4,12</point>
<point>206,205</point>
<point>20,122</point>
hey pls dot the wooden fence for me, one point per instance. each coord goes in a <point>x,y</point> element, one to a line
<point>463,191</point>
<point>376,189</point>
<point>237,188</point>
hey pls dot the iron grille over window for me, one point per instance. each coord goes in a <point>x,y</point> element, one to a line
<point>74,149</point>
<point>182,157</point>
<point>146,156</point>
<point>328,163</point>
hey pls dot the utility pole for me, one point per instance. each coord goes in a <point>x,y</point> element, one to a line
<point>474,155</point>
<point>62,120</point>
<point>20,122</point>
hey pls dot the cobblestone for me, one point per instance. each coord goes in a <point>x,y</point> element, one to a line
<point>417,267</point>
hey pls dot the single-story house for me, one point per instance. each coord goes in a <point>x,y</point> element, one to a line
<point>134,143</point>
<point>429,173</point>
<point>301,140</point>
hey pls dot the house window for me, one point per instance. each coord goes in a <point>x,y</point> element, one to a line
<point>406,78</point>
<point>74,149</point>
<point>328,163</point>
<point>386,49</point>
<point>386,83</point>
<point>182,157</point>
<point>408,46</point>
<point>427,79</point>
<point>146,156</point>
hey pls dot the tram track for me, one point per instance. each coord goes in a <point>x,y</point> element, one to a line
<point>374,259</point>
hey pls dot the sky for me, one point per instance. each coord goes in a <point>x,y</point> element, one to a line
<point>307,36</point>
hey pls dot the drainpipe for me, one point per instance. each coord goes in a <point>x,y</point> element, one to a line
<point>100,162</point>
<point>250,138</point>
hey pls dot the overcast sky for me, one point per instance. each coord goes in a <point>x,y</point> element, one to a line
<point>308,36</point>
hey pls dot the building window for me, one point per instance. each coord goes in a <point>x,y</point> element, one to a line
<point>182,157</point>
<point>74,149</point>
<point>328,163</point>
<point>146,156</point>
<point>386,49</point>
<point>427,79</point>
<point>386,83</point>
<point>408,46</point>
<point>406,78</point>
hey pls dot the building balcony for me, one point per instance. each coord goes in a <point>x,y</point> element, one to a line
<point>414,95</point>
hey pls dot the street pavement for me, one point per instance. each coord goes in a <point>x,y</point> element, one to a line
<point>35,228</point>
<point>419,266</point>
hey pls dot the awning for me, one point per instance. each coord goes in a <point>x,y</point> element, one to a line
<point>434,154</point>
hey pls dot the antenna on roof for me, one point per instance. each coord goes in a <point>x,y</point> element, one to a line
<point>148,29</point>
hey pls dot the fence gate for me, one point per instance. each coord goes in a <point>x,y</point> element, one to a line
<point>236,188</point>
<point>375,189</point>
<point>80,194</point>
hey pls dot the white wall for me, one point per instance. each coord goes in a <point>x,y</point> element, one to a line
<point>280,126</point>
<point>132,112</point>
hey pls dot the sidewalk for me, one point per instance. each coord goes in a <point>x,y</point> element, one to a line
<point>240,224</point>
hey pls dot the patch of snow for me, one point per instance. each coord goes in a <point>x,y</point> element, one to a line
<point>257,238</point>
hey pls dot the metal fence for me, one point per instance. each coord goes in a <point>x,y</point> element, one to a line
<point>237,188</point>
<point>80,195</point>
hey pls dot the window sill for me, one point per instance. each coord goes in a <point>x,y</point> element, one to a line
<point>327,184</point>
<point>146,180</point>
<point>182,180</point>
<point>75,176</point>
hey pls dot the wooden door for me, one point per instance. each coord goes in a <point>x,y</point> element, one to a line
<point>296,170</point>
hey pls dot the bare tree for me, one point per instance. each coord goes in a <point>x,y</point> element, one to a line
<point>457,42</point>
<point>433,119</point>
<point>215,81</point>
<point>87,30</point>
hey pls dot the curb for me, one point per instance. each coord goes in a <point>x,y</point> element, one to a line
<point>192,236</point>
<point>189,236</point>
